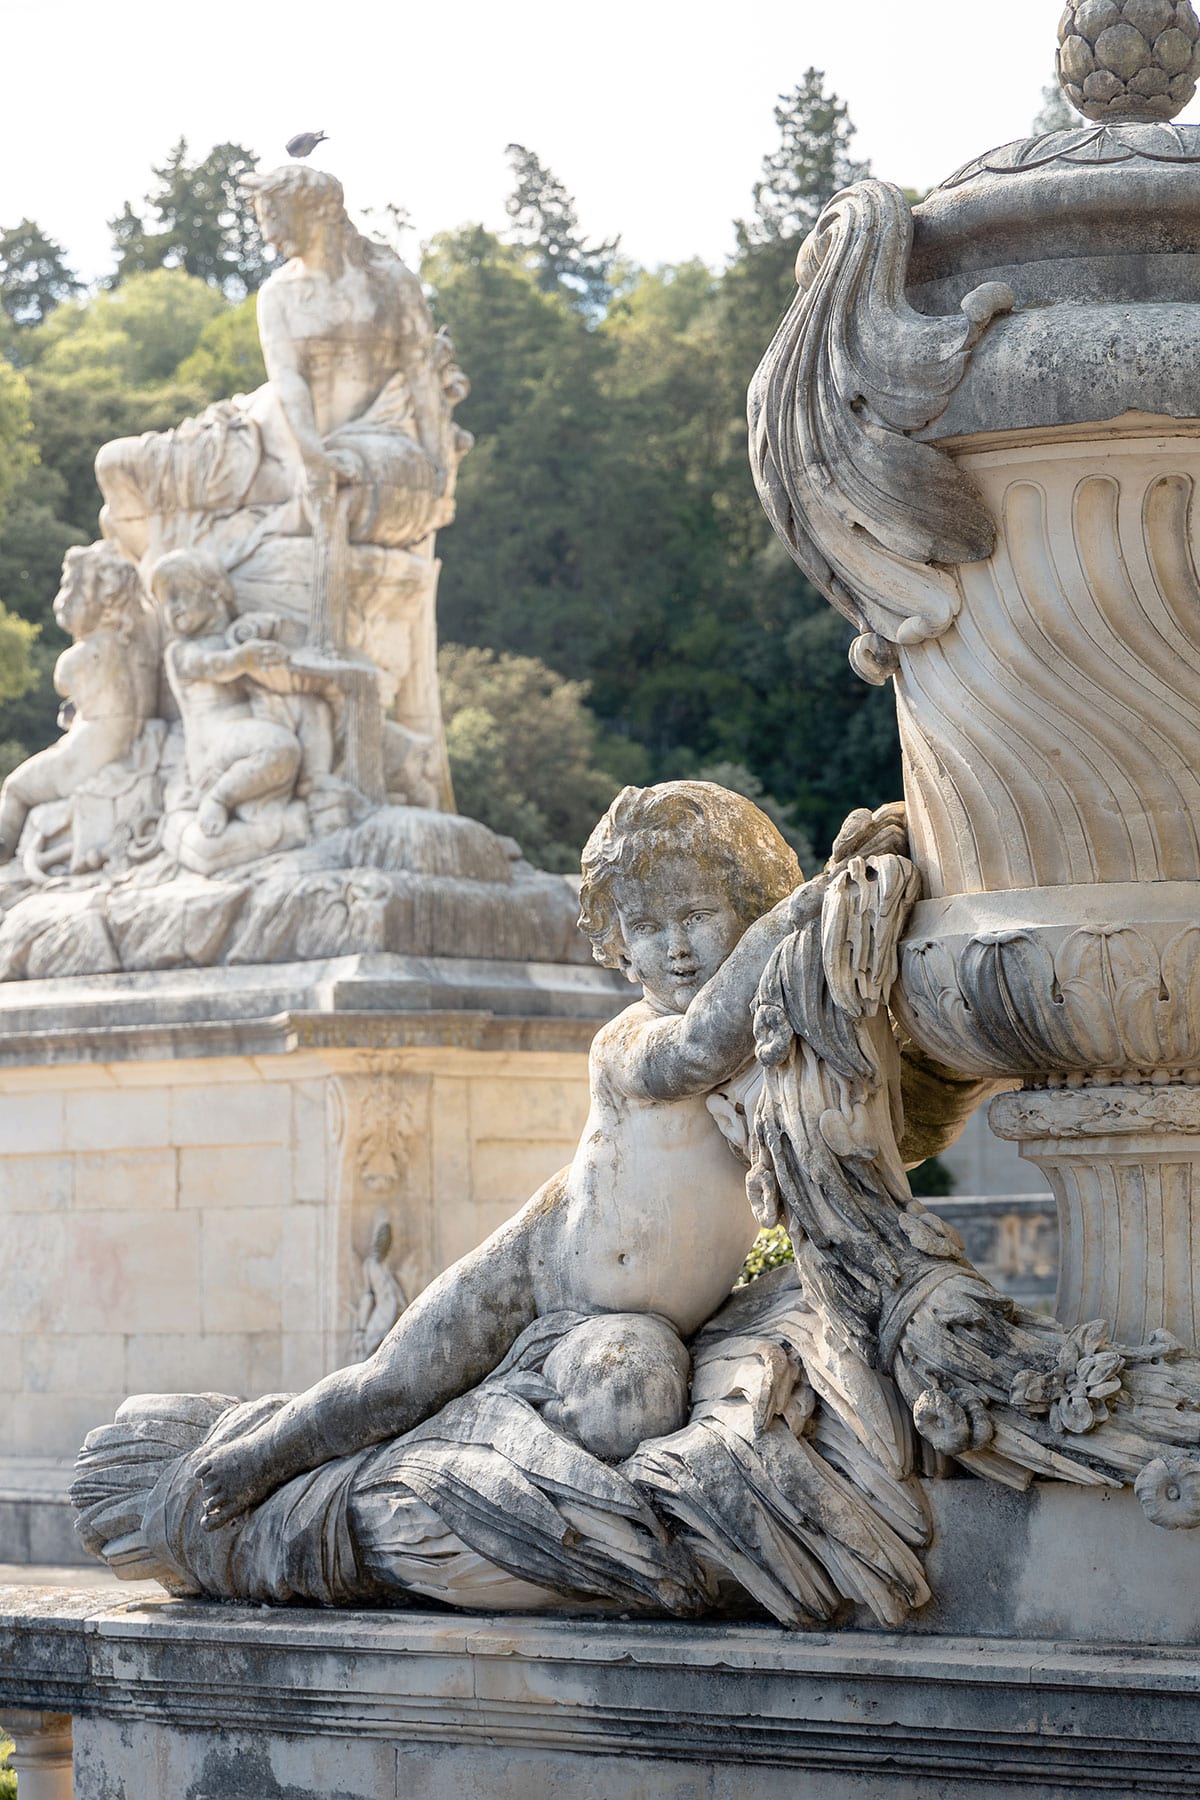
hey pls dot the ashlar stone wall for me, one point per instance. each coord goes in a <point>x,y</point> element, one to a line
<point>199,1224</point>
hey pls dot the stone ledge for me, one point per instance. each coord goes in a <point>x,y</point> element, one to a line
<point>376,1001</point>
<point>919,1716</point>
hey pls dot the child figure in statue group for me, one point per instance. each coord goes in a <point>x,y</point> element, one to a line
<point>688,888</point>
<point>235,759</point>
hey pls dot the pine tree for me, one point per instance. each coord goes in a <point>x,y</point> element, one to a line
<point>202,222</point>
<point>34,276</point>
<point>811,163</point>
<point>547,225</point>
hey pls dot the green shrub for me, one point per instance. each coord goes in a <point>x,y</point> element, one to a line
<point>769,1250</point>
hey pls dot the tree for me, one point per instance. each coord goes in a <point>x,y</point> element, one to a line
<point>811,163</point>
<point>1057,113</point>
<point>547,225</point>
<point>18,457</point>
<point>140,332</point>
<point>228,357</point>
<point>525,753</point>
<point>34,277</point>
<point>18,452</point>
<point>202,221</point>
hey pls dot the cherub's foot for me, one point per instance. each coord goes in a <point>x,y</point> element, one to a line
<point>212,817</point>
<point>235,1477</point>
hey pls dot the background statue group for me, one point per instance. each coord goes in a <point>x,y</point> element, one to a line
<point>253,674</point>
<point>350,442</point>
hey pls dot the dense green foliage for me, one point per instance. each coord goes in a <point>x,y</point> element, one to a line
<point>525,752</point>
<point>609,538</point>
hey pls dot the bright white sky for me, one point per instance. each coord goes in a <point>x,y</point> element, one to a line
<point>654,113</point>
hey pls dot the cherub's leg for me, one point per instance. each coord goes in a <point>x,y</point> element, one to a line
<point>45,776</point>
<point>56,772</point>
<point>314,728</point>
<point>266,771</point>
<point>452,1335</point>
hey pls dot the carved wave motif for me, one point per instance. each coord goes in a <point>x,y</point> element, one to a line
<point>1010,1005</point>
<point>1053,736</point>
<point>868,512</point>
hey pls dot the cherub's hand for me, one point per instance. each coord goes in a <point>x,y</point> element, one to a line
<point>345,465</point>
<point>805,903</point>
<point>324,472</point>
<point>883,832</point>
<point>262,653</point>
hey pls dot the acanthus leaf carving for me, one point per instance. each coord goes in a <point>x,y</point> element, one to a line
<point>874,518</point>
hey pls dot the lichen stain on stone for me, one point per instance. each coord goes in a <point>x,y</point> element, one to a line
<point>233,1773</point>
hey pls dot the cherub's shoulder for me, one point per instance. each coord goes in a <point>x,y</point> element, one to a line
<point>628,1022</point>
<point>619,1049</point>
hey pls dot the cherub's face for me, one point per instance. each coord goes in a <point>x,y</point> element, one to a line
<point>187,612</point>
<point>78,608</point>
<point>678,925</point>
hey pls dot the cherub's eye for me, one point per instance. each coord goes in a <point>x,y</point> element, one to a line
<point>697,918</point>
<point>644,928</point>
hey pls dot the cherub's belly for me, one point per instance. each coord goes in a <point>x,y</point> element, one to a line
<point>664,1233</point>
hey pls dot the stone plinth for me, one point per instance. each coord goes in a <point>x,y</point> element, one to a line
<point>192,1699</point>
<point>193,1166</point>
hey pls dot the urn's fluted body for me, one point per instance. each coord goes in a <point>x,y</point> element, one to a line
<point>1047,681</point>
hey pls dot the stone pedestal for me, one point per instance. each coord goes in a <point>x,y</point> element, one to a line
<point>1036,1677</point>
<point>193,1166</point>
<point>1123,1163</point>
<point>42,1753</point>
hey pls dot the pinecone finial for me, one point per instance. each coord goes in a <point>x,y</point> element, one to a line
<point>1129,59</point>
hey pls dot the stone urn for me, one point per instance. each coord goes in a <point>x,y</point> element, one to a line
<point>978,430</point>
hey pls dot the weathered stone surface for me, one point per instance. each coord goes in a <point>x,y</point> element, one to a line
<point>192,1700</point>
<point>308,1098</point>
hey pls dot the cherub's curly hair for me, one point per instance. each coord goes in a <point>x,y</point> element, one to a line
<point>719,829</point>
<point>199,575</point>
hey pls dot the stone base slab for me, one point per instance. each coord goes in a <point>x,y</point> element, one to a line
<point>196,1700</point>
<point>37,1523</point>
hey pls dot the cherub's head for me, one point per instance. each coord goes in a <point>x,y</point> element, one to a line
<point>194,592</point>
<point>618,1380</point>
<point>672,877</point>
<point>99,587</point>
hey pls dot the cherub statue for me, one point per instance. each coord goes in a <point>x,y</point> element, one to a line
<point>108,681</point>
<point>570,1410</point>
<point>239,765</point>
<point>689,889</point>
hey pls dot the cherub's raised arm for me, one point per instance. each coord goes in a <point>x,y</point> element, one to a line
<point>194,663</point>
<point>695,1051</point>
